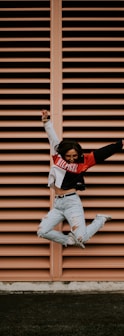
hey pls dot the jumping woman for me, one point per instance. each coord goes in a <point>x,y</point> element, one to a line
<point>66,177</point>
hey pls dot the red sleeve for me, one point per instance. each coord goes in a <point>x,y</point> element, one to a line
<point>89,161</point>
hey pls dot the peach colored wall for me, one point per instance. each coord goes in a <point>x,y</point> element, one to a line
<point>67,57</point>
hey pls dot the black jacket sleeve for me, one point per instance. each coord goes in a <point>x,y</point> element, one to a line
<point>103,153</point>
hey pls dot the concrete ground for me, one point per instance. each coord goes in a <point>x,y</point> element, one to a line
<point>59,314</point>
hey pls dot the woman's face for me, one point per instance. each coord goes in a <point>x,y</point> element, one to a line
<point>71,156</point>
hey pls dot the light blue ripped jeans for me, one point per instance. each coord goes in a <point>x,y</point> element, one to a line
<point>69,208</point>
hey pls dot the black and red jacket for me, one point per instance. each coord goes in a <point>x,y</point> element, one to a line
<point>70,175</point>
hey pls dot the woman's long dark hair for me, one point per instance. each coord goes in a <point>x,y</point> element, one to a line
<point>65,145</point>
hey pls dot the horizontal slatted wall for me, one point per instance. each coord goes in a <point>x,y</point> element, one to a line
<point>24,148</point>
<point>93,113</point>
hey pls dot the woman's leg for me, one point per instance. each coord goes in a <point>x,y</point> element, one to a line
<point>95,226</point>
<point>46,226</point>
<point>75,215</point>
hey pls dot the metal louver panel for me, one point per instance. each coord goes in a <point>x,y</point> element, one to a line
<point>24,148</point>
<point>93,113</point>
<point>66,56</point>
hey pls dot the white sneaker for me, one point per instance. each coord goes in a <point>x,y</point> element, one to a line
<point>107,217</point>
<point>73,241</point>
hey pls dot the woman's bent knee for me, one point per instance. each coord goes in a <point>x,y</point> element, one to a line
<point>41,230</point>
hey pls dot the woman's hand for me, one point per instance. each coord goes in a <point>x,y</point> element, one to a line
<point>44,115</point>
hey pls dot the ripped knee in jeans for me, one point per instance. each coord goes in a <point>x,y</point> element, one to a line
<point>41,230</point>
<point>74,228</point>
